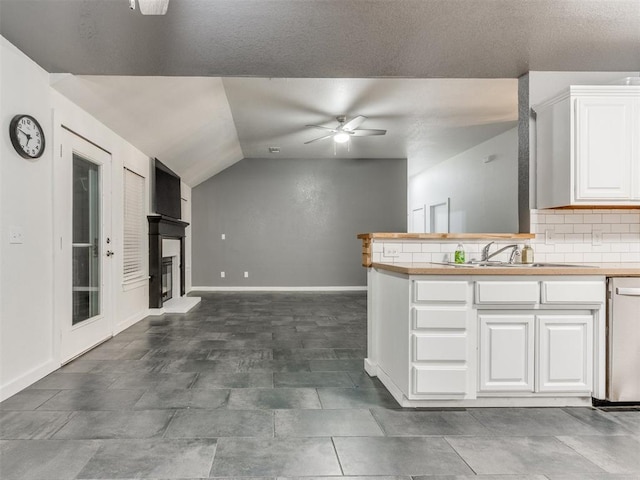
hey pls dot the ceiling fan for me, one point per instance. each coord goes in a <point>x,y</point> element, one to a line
<point>345,130</point>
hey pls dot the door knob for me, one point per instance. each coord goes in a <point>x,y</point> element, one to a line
<point>109,253</point>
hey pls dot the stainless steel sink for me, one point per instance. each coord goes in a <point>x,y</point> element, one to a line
<point>512,265</point>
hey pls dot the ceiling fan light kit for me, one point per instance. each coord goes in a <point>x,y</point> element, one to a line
<point>345,130</point>
<point>341,137</point>
<point>150,7</point>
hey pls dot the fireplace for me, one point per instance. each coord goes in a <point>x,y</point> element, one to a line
<point>167,278</point>
<point>166,232</point>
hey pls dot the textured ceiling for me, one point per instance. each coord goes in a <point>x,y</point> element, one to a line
<point>315,59</point>
<point>327,38</point>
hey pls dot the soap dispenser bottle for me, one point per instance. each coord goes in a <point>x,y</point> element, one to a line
<point>527,254</point>
<point>459,256</point>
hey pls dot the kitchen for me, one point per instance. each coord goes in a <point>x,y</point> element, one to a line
<point>36,171</point>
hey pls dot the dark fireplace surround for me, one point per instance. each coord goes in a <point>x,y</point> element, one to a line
<point>163,227</point>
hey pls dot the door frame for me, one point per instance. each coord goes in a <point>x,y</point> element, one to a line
<point>61,211</point>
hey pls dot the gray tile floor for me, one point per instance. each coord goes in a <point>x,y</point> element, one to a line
<point>272,386</point>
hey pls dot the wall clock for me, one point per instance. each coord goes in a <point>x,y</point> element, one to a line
<point>27,136</point>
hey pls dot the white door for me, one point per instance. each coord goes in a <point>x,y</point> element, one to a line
<point>565,354</point>
<point>604,148</point>
<point>82,206</point>
<point>506,352</point>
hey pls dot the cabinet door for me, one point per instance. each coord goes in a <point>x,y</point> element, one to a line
<point>506,352</point>
<point>565,353</point>
<point>604,148</point>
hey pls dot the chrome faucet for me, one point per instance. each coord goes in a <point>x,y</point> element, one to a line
<point>486,256</point>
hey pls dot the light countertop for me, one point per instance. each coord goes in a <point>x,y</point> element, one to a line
<point>437,269</point>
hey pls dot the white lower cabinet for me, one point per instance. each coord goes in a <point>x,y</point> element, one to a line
<point>506,352</point>
<point>565,353</point>
<point>554,350</point>
<point>494,340</point>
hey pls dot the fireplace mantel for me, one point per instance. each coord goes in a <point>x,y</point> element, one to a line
<point>161,227</point>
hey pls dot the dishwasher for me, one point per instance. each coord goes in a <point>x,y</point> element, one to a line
<point>623,339</point>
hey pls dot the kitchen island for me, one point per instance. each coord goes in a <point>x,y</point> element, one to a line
<point>441,335</point>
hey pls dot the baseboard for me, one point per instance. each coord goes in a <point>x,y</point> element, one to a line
<point>279,289</point>
<point>27,379</point>
<point>132,320</point>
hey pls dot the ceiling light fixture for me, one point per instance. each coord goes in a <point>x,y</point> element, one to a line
<point>150,7</point>
<point>341,137</point>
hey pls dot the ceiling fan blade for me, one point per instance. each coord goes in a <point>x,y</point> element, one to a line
<point>321,127</point>
<point>363,132</point>
<point>354,123</point>
<point>319,138</point>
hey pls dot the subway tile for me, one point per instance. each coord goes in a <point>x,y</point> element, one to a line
<point>583,228</point>
<point>573,257</point>
<point>611,218</point>
<point>555,219</point>
<point>593,257</point>
<point>573,218</point>
<point>563,228</point>
<point>593,218</point>
<point>611,257</point>
<point>630,217</point>
<point>411,247</point>
<point>610,237</point>
<point>620,228</point>
<point>422,257</point>
<point>431,247</point>
<point>620,247</point>
<point>630,237</point>
<point>574,237</point>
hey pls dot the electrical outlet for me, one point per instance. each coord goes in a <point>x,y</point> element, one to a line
<point>246,274</point>
<point>221,274</point>
<point>223,236</point>
<point>390,251</point>
<point>596,237</point>
<point>548,237</point>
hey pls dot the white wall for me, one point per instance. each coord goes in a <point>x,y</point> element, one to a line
<point>484,196</point>
<point>28,330</point>
<point>26,271</point>
<point>544,85</point>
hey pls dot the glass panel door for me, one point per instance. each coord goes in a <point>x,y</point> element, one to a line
<point>86,246</point>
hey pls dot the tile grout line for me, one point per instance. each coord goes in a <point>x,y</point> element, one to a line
<point>458,454</point>
<point>337,456</point>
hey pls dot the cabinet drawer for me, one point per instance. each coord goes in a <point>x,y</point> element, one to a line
<point>451,380</point>
<point>434,317</point>
<point>507,292</point>
<point>573,292</point>
<point>439,348</point>
<point>440,292</point>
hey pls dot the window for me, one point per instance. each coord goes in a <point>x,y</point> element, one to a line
<point>134,226</point>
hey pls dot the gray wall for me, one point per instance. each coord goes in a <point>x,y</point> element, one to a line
<point>293,222</point>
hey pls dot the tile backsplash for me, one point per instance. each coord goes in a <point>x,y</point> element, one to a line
<point>609,237</point>
<point>587,236</point>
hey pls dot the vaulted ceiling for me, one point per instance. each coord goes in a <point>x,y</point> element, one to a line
<point>316,59</point>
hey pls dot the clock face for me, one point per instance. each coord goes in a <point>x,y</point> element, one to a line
<point>27,136</point>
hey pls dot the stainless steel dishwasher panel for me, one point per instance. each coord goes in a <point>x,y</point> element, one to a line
<point>623,339</point>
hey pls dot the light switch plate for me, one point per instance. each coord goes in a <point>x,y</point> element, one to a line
<point>15,235</point>
<point>548,236</point>
<point>596,237</point>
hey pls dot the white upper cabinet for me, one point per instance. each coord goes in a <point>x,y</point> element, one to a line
<point>588,147</point>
